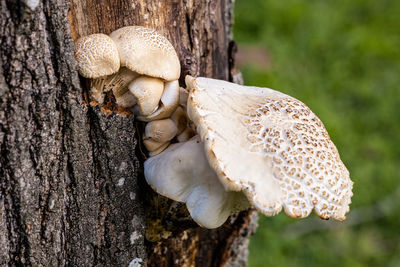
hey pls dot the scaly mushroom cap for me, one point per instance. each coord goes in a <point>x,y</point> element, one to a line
<point>97,56</point>
<point>147,52</point>
<point>182,173</point>
<point>270,146</point>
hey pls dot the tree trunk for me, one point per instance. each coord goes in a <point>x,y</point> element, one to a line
<point>72,190</point>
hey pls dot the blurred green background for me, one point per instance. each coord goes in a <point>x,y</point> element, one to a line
<point>341,58</point>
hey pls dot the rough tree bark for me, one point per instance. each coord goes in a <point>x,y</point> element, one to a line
<point>71,185</point>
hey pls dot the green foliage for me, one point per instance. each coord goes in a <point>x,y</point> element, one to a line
<point>341,58</point>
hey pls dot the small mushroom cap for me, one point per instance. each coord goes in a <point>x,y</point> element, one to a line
<point>147,52</point>
<point>182,173</point>
<point>270,146</point>
<point>161,130</point>
<point>169,102</point>
<point>97,56</point>
<point>148,91</point>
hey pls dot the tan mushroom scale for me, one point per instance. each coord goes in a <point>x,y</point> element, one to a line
<point>270,146</point>
<point>147,52</point>
<point>97,56</point>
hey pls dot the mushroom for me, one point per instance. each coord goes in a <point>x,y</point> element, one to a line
<point>161,130</point>
<point>169,102</point>
<point>180,119</point>
<point>271,147</point>
<point>150,54</point>
<point>262,144</point>
<point>97,57</point>
<point>147,52</point>
<point>148,92</point>
<point>186,135</point>
<point>140,52</point>
<point>182,173</point>
<point>158,133</point>
<point>118,83</point>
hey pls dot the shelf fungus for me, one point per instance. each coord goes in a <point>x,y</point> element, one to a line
<point>254,147</point>
<point>138,64</point>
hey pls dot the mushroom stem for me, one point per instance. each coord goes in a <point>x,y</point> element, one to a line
<point>97,88</point>
<point>186,135</point>
<point>182,173</point>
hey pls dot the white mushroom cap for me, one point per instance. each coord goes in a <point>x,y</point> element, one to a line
<point>148,91</point>
<point>169,102</point>
<point>161,130</point>
<point>97,56</point>
<point>182,173</point>
<point>147,52</point>
<point>270,146</point>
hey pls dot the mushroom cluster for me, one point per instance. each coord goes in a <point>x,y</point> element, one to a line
<point>254,147</point>
<point>141,68</point>
<point>217,146</point>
